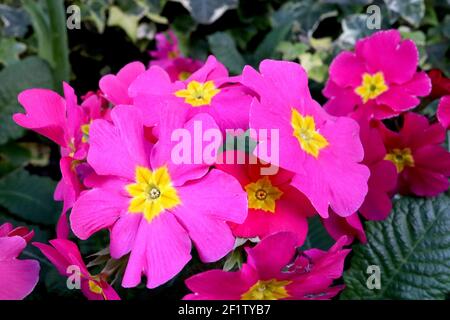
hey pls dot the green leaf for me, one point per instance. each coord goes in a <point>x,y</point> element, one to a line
<point>268,47</point>
<point>307,14</point>
<point>208,11</point>
<point>354,27</point>
<point>31,72</point>
<point>127,22</point>
<point>13,156</point>
<point>224,48</point>
<point>291,51</point>
<point>318,236</point>
<point>411,248</point>
<point>29,197</point>
<point>10,50</point>
<point>15,21</point>
<point>412,11</point>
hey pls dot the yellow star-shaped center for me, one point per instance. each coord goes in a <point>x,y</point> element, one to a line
<point>310,140</point>
<point>262,195</point>
<point>401,158</point>
<point>372,86</point>
<point>152,193</point>
<point>267,290</point>
<point>198,94</point>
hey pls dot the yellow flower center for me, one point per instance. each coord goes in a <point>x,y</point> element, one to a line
<point>401,158</point>
<point>85,130</point>
<point>198,94</point>
<point>305,131</point>
<point>95,288</point>
<point>262,195</point>
<point>267,290</point>
<point>372,86</point>
<point>152,193</point>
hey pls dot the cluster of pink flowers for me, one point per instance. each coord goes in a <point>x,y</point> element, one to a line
<point>339,161</point>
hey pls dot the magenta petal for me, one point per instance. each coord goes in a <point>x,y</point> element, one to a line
<point>347,69</point>
<point>349,226</point>
<point>168,249</point>
<point>272,254</point>
<point>194,165</point>
<point>123,234</point>
<point>18,278</point>
<point>217,285</point>
<point>443,112</point>
<point>206,196</point>
<point>385,51</point>
<point>128,138</point>
<point>342,101</point>
<point>11,247</point>
<point>212,69</point>
<point>46,114</point>
<point>115,87</point>
<point>212,236</point>
<point>94,210</point>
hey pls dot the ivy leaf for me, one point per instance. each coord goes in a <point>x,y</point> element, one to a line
<point>224,48</point>
<point>354,27</point>
<point>412,11</point>
<point>411,248</point>
<point>10,50</point>
<point>15,21</point>
<point>307,14</point>
<point>127,22</point>
<point>29,197</point>
<point>31,72</point>
<point>208,11</point>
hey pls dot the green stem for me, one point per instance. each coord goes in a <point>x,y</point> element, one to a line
<point>41,29</point>
<point>60,46</point>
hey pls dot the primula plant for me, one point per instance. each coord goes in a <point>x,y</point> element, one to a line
<point>224,150</point>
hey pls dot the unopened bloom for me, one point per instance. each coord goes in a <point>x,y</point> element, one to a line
<point>323,151</point>
<point>423,165</point>
<point>153,206</point>
<point>67,259</point>
<point>17,277</point>
<point>275,272</point>
<point>381,76</point>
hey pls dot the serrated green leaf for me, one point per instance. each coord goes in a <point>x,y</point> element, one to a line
<point>29,197</point>
<point>224,48</point>
<point>31,72</point>
<point>411,248</point>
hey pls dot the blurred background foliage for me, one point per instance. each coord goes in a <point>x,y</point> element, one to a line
<point>37,50</point>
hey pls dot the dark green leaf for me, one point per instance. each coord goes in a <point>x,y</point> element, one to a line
<point>224,48</point>
<point>29,73</point>
<point>29,197</point>
<point>411,248</point>
<point>208,11</point>
<point>15,21</point>
<point>411,10</point>
<point>317,237</point>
